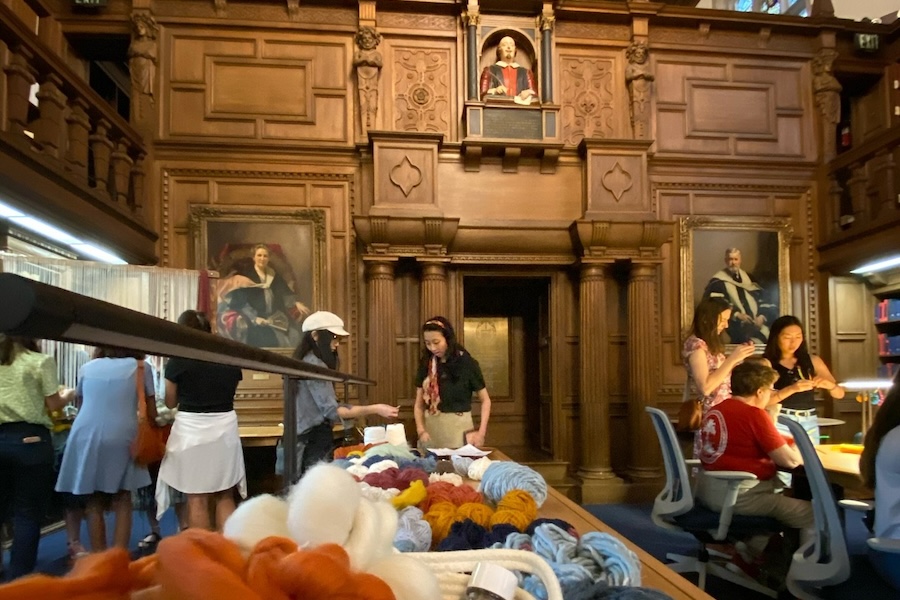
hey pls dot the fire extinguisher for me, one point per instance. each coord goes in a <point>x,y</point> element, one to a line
<point>846,140</point>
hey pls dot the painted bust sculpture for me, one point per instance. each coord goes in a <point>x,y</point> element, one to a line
<point>507,78</point>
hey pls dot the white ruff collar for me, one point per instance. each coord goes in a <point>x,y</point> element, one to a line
<point>501,63</point>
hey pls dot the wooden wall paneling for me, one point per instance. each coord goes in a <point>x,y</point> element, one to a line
<point>592,94</point>
<point>262,87</point>
<point>564,378</point>
<point>853,345</point>
<point>732,107</point>
<point>870,113</point>
<point>421,83</point>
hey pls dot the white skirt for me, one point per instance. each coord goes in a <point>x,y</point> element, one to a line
<point>203,456</point>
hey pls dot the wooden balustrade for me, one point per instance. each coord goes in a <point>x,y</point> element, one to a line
<point>861,189</point>
<point>75,128</point>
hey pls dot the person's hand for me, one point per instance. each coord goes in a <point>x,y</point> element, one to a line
<point>302,309</point>
<point>760,320</point>
<point>424,437</point>
<point>387,411</point>
<point>475,438</point>
<point>739,316</point>
<point>261,321</point>
<point>803,385</point>
<point>821,382</point>
<point>500,89</point>
<point>742,351</point>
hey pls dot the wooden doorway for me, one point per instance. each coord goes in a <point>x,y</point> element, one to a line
<point>506,327</point>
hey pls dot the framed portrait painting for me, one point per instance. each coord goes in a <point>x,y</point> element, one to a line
<point>270,268</point>
<point>743,260</point>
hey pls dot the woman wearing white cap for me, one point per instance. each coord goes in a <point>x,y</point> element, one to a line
<point>317,406</point>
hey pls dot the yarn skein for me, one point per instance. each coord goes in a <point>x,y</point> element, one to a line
<point>504,476</point>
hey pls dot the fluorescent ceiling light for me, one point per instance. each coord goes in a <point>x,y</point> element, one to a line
<point>54,234</point>
<point>859,385</point>
<point>878,265</point>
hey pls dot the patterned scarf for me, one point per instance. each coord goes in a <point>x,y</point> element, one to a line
<point>431,392</point>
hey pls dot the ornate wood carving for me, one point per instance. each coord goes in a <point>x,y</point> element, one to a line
<point>142,60</point>
<point>638,78</point>
<point>413,21</point>
<point>828,98</point>
<point>587,98</point>
<point>422,90</point>
<point>368,62</point>
<point>591,31</point>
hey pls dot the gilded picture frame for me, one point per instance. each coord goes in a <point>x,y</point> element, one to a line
<point>763,273</point>
<point>261,310</point>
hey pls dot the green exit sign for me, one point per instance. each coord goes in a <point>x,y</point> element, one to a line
<point>867,42</point>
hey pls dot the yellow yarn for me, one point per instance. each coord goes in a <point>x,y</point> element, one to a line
<point>479,513</point>
<point>411,496</point>
<point>440,516</point>
<point>518,508</point>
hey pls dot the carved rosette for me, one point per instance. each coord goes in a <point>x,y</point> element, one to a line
<point>422,89</point>
<point>587,98</point>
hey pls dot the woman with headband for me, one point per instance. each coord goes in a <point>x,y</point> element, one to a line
<point>447,378</point>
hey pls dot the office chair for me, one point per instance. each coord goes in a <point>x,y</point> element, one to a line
<point>675,508</point>
<point>824,560</point>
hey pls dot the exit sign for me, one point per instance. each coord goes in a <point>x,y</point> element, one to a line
<point>90,2</point>
<point>867,42</point>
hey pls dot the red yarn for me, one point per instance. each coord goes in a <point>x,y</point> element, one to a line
<point>442,491</point>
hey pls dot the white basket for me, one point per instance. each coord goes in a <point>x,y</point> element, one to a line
<point>453,569</point>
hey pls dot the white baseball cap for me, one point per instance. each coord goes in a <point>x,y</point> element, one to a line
<point>322,319</point>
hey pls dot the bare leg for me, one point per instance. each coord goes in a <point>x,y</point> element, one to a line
<point>74,517</point>
<point>181,514</point>
<point>122,511</point>
<point>96,524</point>
<point>224,506</point>
<point>198,511</point>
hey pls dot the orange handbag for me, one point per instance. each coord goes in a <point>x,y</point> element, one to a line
<point>690,413</point>
<point>149,444</point>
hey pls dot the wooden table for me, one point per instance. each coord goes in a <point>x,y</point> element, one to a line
<point>260,435</point>
<point>842,468</point>
<point>654,574</point>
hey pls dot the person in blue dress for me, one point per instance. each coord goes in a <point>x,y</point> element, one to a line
<point>97,462</point>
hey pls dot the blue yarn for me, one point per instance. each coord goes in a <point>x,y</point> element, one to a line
<point>498,533</point>
<point>343,463</point>
<point>461,465</point>
<point>429,465</point>
<point>603,591</point>
<point>413,531</point>
<point>464,535</point>
<point>618,564</point>
<point>503,476</point>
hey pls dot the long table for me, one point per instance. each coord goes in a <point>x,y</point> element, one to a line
<point>842,468</point>
<point>654,573</point>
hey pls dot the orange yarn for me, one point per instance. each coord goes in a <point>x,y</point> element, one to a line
<point>441,517</point>
<point>197,564</point>
<point>479,513</point>
<point>442,491</point>
<point>518,508</point>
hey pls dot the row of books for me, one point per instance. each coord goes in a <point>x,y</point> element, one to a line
<point>888,371</point>
<point>888,345</point>
<point>887,310</point>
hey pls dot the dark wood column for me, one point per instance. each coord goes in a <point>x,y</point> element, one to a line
<point>433,290</point>
<point>643,369</point>
<point>599,483</point>
<point>380,275</point>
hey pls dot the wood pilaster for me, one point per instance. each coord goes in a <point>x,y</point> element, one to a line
<point>433,290</point>
<point>599,483</point>
<point>380,275</point>
<point>643,368</point>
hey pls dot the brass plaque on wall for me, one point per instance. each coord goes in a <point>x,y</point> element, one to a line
<point>487,340</point>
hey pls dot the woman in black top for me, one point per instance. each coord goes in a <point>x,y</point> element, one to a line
<point>446,379</point>
<point>203,457</point>
<point>799,375</point>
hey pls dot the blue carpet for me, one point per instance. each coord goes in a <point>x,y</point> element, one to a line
<point>53,553</point>
<point>633,521</point>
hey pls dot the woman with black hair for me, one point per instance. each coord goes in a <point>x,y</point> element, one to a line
<point>799,375</point>
<point>446,379</point>
<point>204,458</point>
<point>317,406</point>
<point>29,387</point>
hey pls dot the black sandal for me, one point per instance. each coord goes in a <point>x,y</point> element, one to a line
<point>150,541</point>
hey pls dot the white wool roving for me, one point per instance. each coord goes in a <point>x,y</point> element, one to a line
<point>322,506</point>
<point>388,519</point>
<point>257,519</point>
<point>373,533</point>
<point>408,578</point>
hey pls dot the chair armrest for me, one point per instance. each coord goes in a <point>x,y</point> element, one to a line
<point>692,462</point>
<point>734,480</point>
<point>731,475</point>
<point>862,506</point>
<point>884,545</point>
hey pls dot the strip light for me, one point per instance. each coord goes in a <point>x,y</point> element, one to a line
<point>54,234</point>
<point>878,265</point>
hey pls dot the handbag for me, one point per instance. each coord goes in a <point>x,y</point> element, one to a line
<point>149,444</point>
<point>690,414</point>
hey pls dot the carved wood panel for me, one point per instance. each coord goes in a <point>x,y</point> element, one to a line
<point>591,94</point>
<point>733,108</point>
<point>422,88</point>
<point>255,88</point>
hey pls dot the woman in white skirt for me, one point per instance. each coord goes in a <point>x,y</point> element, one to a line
<point>203,455</point>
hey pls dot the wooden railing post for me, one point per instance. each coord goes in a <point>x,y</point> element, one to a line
<point>48,129</point>
<point>101,146</point>
<point>79,128</point>
<point>121,168</point>
<point>20,76</point>
<point>137,184</point>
